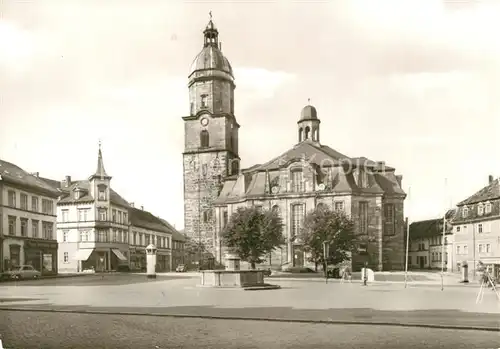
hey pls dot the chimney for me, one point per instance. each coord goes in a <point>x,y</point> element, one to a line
<point>490,179</point>
<point>220,46</point>
<point>36,174</point>
<point>142,208</point>
<point>131,204</point>
<point>399,178</point>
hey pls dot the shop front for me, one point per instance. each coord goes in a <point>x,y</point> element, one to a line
<point>137,258</point>
<point>118,258</point>
<point>42,255</point>
<point>13,259</point>
<point>163,261</point>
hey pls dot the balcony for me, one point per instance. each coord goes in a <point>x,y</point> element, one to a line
<point>103,224</point>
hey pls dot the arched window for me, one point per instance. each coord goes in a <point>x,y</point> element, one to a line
<point>102,192</point>
<point>297,180</point>
<point>308,130</point>
<point>204,139</point>
<point>321,206</point>
<point>204,101</point>
<point>315,135</point>
<point>301,131</point>
<point>235,166</point>
<point>276,209</point>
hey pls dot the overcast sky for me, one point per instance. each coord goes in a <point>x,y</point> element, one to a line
<point>413,83</point>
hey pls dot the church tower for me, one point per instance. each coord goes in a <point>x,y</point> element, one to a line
<point>210,138</point>
<point>308,124</point>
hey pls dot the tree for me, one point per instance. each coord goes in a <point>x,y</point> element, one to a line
<point>336,228</point>
<point>252,233</point>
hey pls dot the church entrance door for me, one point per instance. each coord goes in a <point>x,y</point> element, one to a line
<point>298,256</point>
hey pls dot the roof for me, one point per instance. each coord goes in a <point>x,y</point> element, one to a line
<point>308,113</point>
<point>490,192</point>
<point>258,180</point>
<point>147,220</point>
<point>430,227</point>
<point>176,236</point>
<point>83,185</point>
<point>100,171</point>
<point>211,58</point>
<point>12,173</point>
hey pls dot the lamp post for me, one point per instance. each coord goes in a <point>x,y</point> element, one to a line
<point>473,251</point>
<point>220,249</point>
<point>325,258</point>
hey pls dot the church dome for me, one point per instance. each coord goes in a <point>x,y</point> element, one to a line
<point>308,113</point>
<point>211,57</point>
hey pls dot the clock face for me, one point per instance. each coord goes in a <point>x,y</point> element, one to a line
<point>204,121</point>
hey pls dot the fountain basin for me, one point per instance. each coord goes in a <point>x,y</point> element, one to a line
<point>237,279</point>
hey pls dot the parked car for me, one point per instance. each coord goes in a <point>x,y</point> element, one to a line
<point>22,272</point>
<point>181,268</point>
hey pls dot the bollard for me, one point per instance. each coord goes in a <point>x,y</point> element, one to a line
<point>465,272</point>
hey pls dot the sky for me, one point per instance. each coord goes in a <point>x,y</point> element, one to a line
<point>414,83</point>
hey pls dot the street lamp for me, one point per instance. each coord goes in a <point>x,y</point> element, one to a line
<point>326,250</point>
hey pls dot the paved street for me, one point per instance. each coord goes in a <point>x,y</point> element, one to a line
<point>297,300</point>
<point>50,330</point>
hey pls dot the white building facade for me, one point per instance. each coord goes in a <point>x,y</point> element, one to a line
<point>476,229</point>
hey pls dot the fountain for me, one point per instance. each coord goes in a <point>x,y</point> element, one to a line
<point>234,277</point>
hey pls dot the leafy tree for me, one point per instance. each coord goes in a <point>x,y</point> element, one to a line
<point>252,233</point>
<point>335,227</point>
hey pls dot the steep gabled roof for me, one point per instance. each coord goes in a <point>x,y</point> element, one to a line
<point>431,227</point>
<point>490,192</point>
<point>84,185</point>
<point>176,236</point>
<point>12,173</point>
<point>147,220</point>
<point>305,150</point>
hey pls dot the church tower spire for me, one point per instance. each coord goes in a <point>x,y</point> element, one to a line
<point>100,171</point>
<point>211,34</point>
<point>211,137</point>
<point>308,124</point>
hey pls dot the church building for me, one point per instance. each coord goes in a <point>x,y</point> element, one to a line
<point>307,175</point>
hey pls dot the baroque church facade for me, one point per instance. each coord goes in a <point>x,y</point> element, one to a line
<point>307,175</point>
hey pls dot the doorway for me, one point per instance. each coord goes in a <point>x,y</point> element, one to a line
<point>421,263</point>
<point>298,256</point>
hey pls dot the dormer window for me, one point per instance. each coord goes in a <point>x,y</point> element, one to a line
<point>78,193</point>
<point>487,208</point>
<point>480,209</point>
<point>101,195</point>
<point>465,212</point>
<point>361,178</point>
<point>297,180</point>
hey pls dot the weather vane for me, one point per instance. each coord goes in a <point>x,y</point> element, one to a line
<point>309,100</point>
<point>99,144</point>
<point>210,14</point>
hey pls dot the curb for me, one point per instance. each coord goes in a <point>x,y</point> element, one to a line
<point>414,283</point>
<point>242,318</point>
<point>48,277</point>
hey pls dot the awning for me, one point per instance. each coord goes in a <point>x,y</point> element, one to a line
<point>83,254</point>
<point>119,254</point>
